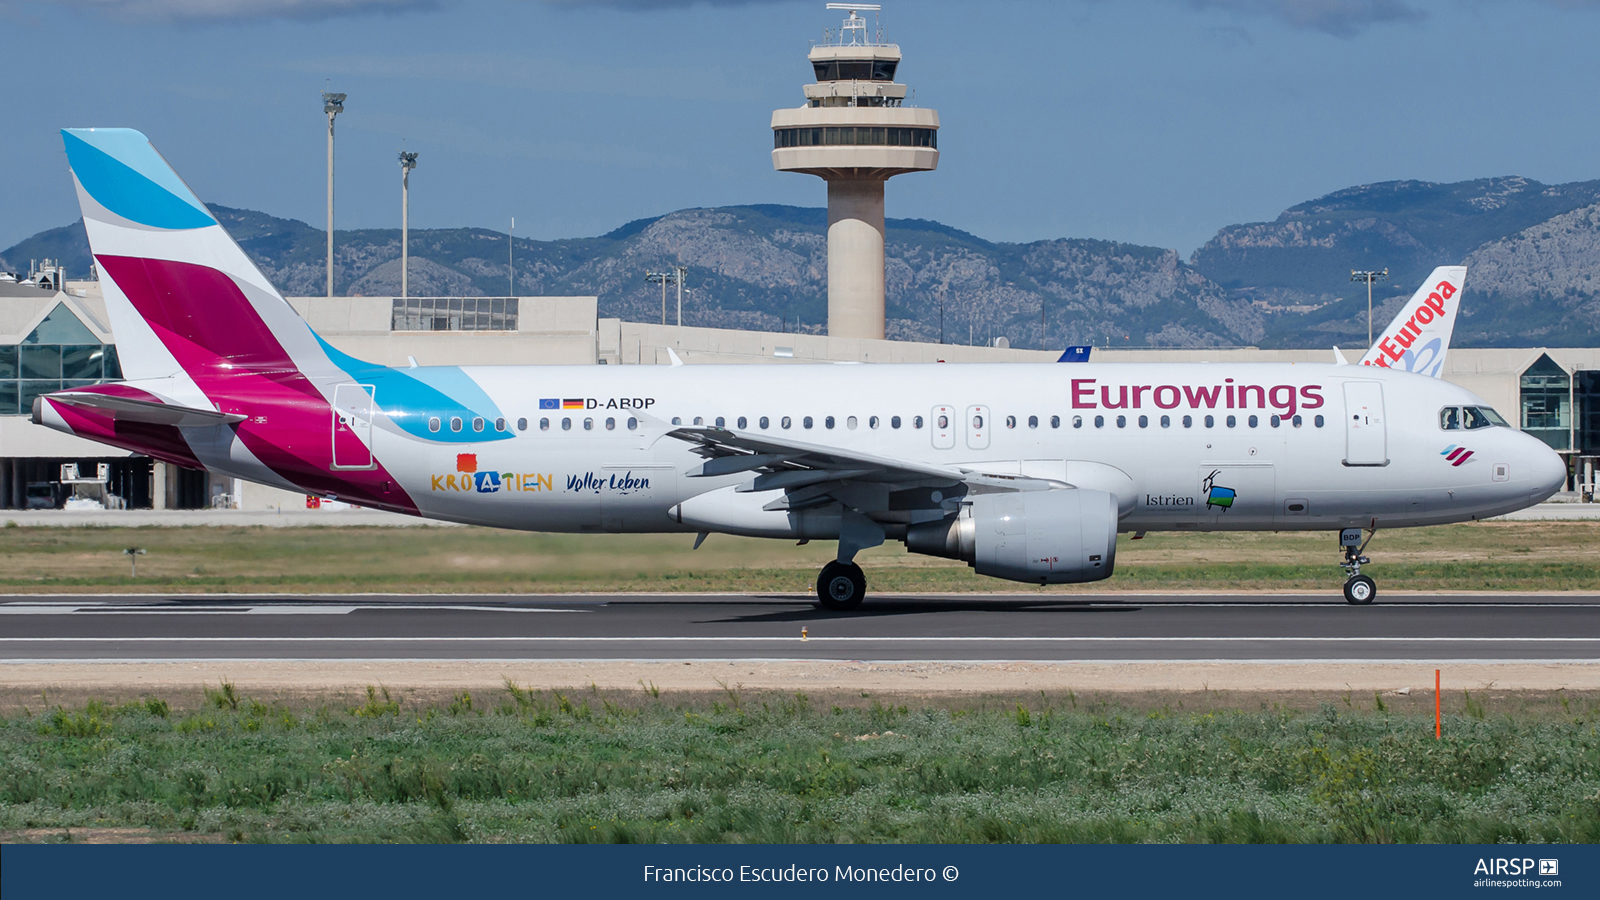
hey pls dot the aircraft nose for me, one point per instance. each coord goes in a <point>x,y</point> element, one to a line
<point>1549,471</point>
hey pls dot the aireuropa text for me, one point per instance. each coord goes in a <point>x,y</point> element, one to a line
<point>793,873</point>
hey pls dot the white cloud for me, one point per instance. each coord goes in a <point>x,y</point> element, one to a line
<point>229,10</point>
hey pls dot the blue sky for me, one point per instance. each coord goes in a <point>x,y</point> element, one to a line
<point>1151,121</point>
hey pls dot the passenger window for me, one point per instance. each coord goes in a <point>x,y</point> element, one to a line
<point>433,423</point>
<point>1233,421</point>
<point>1450,418</point>
<point>1011,421</point>
<point>611,424</point>
<point>1033,421</point>
<point>1122,421</point>
<point>522,424</point>
<point>916,422</point>
<point>743,423</point>
<point>1254,421</point>
<point>588,424</point>
<point>699,420</point>
<point>1144,421</point>
<point>1077,421</point>
<point>1297,421</point>
<point>850,423</point>
<point>500,424</point>
<point>806,421</point>
<point>1276,421</point>
<point>894,421</point>
<point>872,422</point>
<point>1055,421</point>
<point>632,423</point>
<point>784,422</point>
<point>1211,421</point>
<point>763,422</point>
<point>455,423</point>
<point>1099,421</point>
<point>477,423</point>
<point>1188,421</point>
<point>977,421</point>
<point>1317,421</point>
<point>721,422</point>
<point>827,422</point>
<point>544,424</point>
<point>566,424</point>
<point>944,422</point>
<point>1166,421</point>
<point>676,420</point>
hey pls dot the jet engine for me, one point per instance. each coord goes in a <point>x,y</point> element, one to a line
<point>1041,537</point>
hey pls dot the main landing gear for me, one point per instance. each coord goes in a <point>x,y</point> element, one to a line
<point>841,586</point>
<point>1359,590</point>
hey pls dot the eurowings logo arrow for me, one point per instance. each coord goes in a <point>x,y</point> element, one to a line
<point>1456,455</point>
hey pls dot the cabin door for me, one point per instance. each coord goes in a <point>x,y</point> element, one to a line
<point>1366,438</point>
<point>352,426</point>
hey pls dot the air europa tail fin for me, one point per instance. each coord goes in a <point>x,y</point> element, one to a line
<point>1419,337</point>
<point>183,299</point>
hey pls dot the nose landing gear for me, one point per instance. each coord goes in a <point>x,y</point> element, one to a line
<point>1359,590</point>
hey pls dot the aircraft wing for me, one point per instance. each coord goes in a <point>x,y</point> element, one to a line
<point>811,473</point>
<point>130,409</point>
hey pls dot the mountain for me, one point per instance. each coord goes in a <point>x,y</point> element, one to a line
<point>1533,252</point>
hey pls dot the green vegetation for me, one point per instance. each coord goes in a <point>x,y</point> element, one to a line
<point>584,766</point>
<point>1513,556</point>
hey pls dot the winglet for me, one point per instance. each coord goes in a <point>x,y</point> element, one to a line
<point>1338,358</point>
<point>676,362</point>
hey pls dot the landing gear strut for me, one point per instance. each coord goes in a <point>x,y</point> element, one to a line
<point>1359,590</point>
<point>841,586</point>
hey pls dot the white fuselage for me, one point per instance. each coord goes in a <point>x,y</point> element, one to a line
<point>1377,458</point>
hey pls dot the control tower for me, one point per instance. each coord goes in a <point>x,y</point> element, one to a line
<point>855,133</point>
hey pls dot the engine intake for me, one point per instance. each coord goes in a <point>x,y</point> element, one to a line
<point>1041,537</point>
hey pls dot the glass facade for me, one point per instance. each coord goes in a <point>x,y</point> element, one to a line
<point>59,353</point>
<point>1547,403</point>
<point>855,69</point>
<point>1588,390</point>
<point>854,136</point>
<point>455,314</point>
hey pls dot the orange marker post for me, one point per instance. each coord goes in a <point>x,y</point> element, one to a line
<point>1438,719</point>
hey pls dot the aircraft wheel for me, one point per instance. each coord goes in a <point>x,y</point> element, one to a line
<point>1360,590</point>
<point>841,586</point>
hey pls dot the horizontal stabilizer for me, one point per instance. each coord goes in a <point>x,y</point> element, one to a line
<point>130,409</point>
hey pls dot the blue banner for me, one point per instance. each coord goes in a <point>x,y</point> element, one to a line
<point>68,872</point>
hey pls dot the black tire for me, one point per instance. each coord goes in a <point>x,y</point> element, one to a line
<point>841,586</point>
<point>1360,591</point>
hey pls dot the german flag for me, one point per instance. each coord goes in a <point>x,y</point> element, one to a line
<point>572,404</point>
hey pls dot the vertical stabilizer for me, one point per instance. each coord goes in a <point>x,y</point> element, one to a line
<point>184,300</point>
<point>1419,337</point>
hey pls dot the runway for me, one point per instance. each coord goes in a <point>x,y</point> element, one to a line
<point>1105,627</point>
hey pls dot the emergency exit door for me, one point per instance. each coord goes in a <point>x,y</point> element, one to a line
<point>352,426</point>
<point>1366,437</point>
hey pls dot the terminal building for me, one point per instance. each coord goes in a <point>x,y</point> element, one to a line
<point>51,339</point>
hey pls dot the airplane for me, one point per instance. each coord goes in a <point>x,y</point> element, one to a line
<point>1027,472</point>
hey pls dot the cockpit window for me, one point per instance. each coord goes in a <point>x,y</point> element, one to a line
<point>1481,417</point>
<point>1450,418</point>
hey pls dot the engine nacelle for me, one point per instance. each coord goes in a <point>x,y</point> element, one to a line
<point>1041,537</point>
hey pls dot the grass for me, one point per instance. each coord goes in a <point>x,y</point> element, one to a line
<point>591,766</point>
<point>1480,556</point>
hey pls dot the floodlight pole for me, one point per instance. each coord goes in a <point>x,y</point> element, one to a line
<point>332,104</point>
<point>408,161</point>
<point>511,244</point>
<point>677,276</point>
<point>661,278</point>
<point>1369,277</point>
